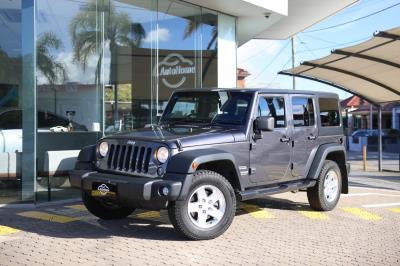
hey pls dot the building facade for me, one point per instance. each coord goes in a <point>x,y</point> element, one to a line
<point>72,71</point>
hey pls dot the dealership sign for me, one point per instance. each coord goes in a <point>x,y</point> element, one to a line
<point>173,70</point>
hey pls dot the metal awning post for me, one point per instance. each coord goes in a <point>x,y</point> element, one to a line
<point>380,138</point>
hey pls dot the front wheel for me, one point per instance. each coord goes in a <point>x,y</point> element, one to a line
<point>103,209</point>
<point>326,193</point>
<point>208,210</point>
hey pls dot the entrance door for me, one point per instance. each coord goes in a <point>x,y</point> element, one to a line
<point>304,133</point>
<point>270,155</point>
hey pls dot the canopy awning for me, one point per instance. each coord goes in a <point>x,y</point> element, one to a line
<point>370,69</point>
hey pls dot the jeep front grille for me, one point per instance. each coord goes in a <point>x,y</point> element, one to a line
<point>128,158</point>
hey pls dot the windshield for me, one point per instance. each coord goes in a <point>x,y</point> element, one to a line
<point>208,107</point>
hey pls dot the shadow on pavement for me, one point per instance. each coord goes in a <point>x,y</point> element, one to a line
<point>90,227</point>
<point>93,228</point>
<point>279,204</point>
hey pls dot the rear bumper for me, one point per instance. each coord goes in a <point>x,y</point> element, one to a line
<point>137,192</point>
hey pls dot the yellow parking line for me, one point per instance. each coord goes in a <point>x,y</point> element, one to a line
<point>256,211</point>
<point>314,215</point>
<point>79,207</point>
<point>148,215</point>
<point>362,214</point>
<point>396,210</point>
<point>5,230</point>
<point>48,217</point>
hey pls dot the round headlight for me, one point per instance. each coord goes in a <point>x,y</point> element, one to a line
<point>162,154</point>
<point>103,149</point>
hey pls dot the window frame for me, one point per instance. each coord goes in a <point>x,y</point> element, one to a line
<point>338,109</point>
<point>307,96</point>
<point>267,95</point>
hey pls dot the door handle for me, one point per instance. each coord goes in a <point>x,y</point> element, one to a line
<point>312,137</point>
<point>285,139</point>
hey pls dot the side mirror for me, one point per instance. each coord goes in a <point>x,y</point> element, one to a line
<point>264,123</point>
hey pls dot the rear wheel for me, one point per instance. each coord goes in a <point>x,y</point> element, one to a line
<point>208,210</point>
<point>103,209</point>
<point>326,193</point>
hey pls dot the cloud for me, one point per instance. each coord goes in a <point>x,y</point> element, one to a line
<point>75,71</point>
<point>162,36</point>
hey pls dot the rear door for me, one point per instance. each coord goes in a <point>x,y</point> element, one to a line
<point>305,132</point>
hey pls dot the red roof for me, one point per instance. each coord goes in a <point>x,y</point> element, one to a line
<point>353,101</point>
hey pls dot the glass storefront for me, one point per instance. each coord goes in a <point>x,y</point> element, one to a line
<point>97,67</point>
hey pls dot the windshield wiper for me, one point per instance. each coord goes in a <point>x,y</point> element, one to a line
<point>186,120</point>
<point>223,122</point>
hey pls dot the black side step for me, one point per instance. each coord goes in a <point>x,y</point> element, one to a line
<point>274,189</point>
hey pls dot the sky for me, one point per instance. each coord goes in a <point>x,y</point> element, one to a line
<point>265,58</point>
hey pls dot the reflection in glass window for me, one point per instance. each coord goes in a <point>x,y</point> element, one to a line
<point>303,112</point>
<point>329,112</point>
<point>11,120</point>
<point>209,48</point>
<point>273,107</point>
<point>10,101</point>
<point>68,68</point>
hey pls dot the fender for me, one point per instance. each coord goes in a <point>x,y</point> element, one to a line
<point>318,161</point>
<point>181,165</point>
<point>182,162</point>
<point>87,154</point>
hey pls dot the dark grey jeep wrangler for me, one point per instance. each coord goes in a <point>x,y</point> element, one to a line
<point>214,147</point>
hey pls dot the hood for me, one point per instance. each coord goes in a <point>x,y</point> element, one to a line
<point>188,136</point>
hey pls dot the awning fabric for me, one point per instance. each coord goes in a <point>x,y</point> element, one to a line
<point>370,69</point>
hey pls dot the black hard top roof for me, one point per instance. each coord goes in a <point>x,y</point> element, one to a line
<point>262,90</point>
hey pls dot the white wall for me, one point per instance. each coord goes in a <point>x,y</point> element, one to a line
<point>226,51</point>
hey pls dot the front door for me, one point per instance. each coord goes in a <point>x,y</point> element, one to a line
<point>305,133</point>
<point>270,155</point>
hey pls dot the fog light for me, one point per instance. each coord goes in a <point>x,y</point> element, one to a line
<point>165,191</point>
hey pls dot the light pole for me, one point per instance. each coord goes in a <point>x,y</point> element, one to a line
<point>293,62</point>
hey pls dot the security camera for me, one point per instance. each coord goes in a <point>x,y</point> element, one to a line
<point>267,15</point>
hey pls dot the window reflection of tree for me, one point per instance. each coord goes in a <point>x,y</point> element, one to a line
<point>119,31</point>
<point>53,70</point>
<point>192,26</point>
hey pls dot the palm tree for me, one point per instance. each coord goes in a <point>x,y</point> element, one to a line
<point>53,70</point>
<point>119,31</point>
<point>47,64</point>
<point>192,27</point>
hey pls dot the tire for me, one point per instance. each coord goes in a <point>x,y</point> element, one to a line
<point>104,210</point>
<point>211,218</point>
<point>325,195</point>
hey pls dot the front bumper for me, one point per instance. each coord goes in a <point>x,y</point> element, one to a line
<point>136,192</point>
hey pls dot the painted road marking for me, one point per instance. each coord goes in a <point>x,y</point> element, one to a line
<point>256,211</point>
<point>396,210</point>
<point>79,207</point>
<point>5,230</point>
<point>148,215</point>
<point>314,215</point>
<point>362,214</point>
<point>48,217</point>
<point>369,194</point>
<point>381,205</point>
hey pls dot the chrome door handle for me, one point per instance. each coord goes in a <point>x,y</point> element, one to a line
<point>312,137</point>
<point>285,139</point>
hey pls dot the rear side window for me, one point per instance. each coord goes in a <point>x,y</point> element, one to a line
<point>303,112</point>
<point>275,107</point>
<point>329,112</point>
